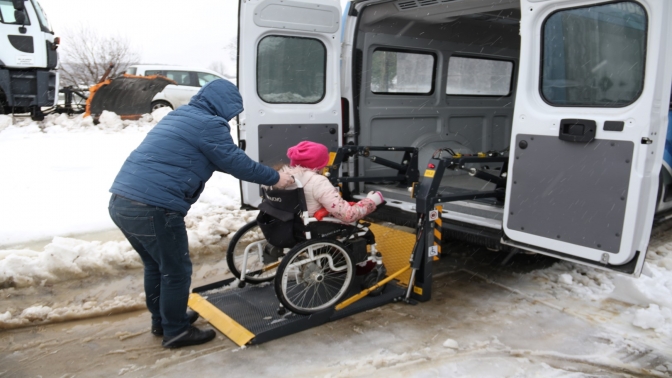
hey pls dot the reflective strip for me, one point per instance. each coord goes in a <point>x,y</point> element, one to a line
<point>438,223</point>
<point>366,292</point>
<point>229,327</point>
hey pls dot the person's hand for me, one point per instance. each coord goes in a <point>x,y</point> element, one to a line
<point>285,180</point>
<point>376,197</point>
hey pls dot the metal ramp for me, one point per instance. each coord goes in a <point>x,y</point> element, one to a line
<point>250,316</point>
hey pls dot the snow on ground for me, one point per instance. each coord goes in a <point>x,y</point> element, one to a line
<point>60,188</point>
<point>56,176</point>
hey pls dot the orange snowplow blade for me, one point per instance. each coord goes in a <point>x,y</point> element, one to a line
<point>128,96</point>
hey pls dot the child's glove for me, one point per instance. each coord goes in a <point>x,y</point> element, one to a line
<point>376,197</point>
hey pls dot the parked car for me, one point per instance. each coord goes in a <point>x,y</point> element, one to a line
<point>189,80</point>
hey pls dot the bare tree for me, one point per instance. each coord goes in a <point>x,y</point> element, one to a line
<point>86,54</point>
<point>227,65</point>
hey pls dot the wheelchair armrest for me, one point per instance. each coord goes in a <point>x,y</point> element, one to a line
<point>321,213</point>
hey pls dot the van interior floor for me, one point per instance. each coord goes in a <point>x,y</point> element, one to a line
<point>490,209</point>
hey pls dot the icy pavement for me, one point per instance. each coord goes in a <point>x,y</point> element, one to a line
<point>485,319</point>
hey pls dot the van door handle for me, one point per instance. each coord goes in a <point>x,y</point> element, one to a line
<point>577,130</point>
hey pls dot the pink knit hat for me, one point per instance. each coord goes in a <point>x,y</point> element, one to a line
<point>309,155</point>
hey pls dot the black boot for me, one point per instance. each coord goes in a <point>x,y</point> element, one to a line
<point>157,330</point>
<point>192,336</point>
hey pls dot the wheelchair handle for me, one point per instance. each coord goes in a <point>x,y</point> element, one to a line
<point>298,182</point>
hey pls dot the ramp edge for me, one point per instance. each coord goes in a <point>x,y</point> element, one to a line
<point>229,327</point>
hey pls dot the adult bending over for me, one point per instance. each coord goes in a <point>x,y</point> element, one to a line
<point>157,185</point>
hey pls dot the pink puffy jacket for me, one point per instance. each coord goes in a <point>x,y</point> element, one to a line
<point>320,193</point>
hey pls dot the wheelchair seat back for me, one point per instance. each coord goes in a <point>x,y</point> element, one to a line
<point>280,216</point>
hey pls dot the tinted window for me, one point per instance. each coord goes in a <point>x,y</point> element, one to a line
<point>594,56</point>
<point>7,13</point>
<point>402,72</point>
<point>291,70</point>
<point>478,77</point>
<point>153,72</point>
<point>180,77</point>
<point>131,70</point>
<point>205,78</point>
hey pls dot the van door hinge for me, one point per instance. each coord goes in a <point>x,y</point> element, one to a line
<point>646,140</point>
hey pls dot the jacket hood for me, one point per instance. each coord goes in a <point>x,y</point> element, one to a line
<point>220,98</point>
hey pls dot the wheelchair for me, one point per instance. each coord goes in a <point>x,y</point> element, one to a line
<point>312,261</point>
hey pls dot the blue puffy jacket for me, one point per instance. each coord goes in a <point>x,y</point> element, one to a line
<point>170,167</point>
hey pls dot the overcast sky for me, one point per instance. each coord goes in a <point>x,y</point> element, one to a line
<point>163,31</point>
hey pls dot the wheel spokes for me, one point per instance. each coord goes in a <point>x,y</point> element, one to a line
<point>317,276</point>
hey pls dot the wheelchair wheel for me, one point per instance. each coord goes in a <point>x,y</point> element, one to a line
<point>314,275</point>
<point>260,267</point>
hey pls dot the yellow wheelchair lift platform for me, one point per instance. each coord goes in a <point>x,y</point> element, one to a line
<point>250,316</point>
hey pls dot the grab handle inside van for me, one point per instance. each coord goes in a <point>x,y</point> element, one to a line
<point>577,130</point>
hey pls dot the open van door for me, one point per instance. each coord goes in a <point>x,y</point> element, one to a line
<point>589,129</point>
<point>289,77</point>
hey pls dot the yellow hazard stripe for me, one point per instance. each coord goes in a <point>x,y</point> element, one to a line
<point>437,231</point>
<point>366,292</point>
<point>229,327</point>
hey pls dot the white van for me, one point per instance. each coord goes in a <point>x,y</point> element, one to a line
<point>573,94</point>
<point>189,81</point>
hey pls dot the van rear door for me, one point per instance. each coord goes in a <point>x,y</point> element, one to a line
<point>588,129</point>
<point>289,77</point>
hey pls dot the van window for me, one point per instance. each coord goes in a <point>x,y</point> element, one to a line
<point>205,78</point>
<point>291,70</point>
<point>478,77</point>
<point>402,72</point>
<point>180,77</point>
<point>594,56</point>
<point>153,72</point>
<point>7,13</point>
<point>131,70</point>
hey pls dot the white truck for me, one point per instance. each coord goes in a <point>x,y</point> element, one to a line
<point>28,59</point>
<point>568,99</point>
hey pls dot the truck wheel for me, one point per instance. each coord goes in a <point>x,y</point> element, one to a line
<point>160,104</point>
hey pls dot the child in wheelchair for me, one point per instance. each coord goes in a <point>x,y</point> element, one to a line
<point>314,260</point>
<point>317,257</point>
<point>307,159</point>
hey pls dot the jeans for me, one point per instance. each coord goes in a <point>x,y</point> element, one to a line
<point>160,237</point>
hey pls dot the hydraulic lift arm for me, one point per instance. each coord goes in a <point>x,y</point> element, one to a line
<point>428,196</point>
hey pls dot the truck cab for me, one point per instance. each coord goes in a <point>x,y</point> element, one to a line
<point>28,58</point>
<point>572,94</point>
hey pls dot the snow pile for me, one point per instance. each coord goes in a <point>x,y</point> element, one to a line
<point>42,314</point>
<point>61,185</point>
<point>5,121</point>
<point>574,279</point>
<point>108,122</point>
<point>651,293</point>
<point>65,259</point>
